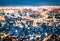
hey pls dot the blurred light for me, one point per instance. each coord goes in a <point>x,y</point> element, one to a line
<point>16,31</point>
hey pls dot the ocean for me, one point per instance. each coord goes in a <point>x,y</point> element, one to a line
<point>29,2</point>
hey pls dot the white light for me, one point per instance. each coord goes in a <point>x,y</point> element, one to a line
<point>21,26</point>
<point>28,28</point>
<point>16,31</point>
<point>46,34</point>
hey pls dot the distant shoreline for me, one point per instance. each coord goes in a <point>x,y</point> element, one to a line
<point>28,5</point>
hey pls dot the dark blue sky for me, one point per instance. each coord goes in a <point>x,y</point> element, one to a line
<point>29,2</point>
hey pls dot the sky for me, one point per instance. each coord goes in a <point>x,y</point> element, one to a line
<point>29,2</point>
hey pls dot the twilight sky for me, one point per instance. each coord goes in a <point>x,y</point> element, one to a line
<point>29,2</point>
